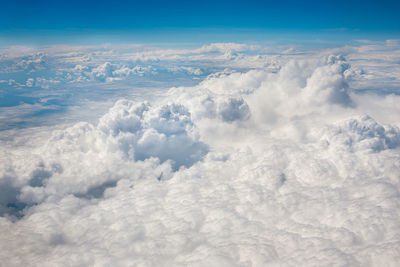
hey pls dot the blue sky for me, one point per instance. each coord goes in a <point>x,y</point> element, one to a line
<point>41,20</point>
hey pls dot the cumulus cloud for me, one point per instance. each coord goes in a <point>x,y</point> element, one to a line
<point>254,168</point>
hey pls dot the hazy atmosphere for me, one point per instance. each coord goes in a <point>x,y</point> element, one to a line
<point>217,133</point>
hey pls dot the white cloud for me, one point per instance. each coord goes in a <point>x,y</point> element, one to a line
<point>40,82</point>
<point>281,167</point>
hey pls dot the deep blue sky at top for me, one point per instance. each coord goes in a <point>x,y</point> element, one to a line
<point>30,19</point>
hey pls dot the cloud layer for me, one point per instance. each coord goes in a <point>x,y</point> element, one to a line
<point>262,167</point>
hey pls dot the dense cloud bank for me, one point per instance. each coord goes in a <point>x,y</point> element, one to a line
<point>255,168</point>
<point>39,84</point>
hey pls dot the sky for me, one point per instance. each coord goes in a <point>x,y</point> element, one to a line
<point>212,133</point>
<point>158,21</point>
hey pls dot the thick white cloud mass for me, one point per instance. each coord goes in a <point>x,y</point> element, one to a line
<point>286,160</point>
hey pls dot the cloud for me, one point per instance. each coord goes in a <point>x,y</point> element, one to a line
<point>362,133</point>
<point>128,133</point>
<point>247,168</point>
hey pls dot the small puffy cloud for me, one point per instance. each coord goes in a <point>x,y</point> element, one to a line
<point>102,72</point>
<point>32,63</point>
<point>234,109</point>
<point>40,82</point>
<point>108,72</point>
<point>30,82</point>
<point>166,132</point>
<point>361,133</point>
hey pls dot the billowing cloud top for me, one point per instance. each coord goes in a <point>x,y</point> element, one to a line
<point>259,158</point>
